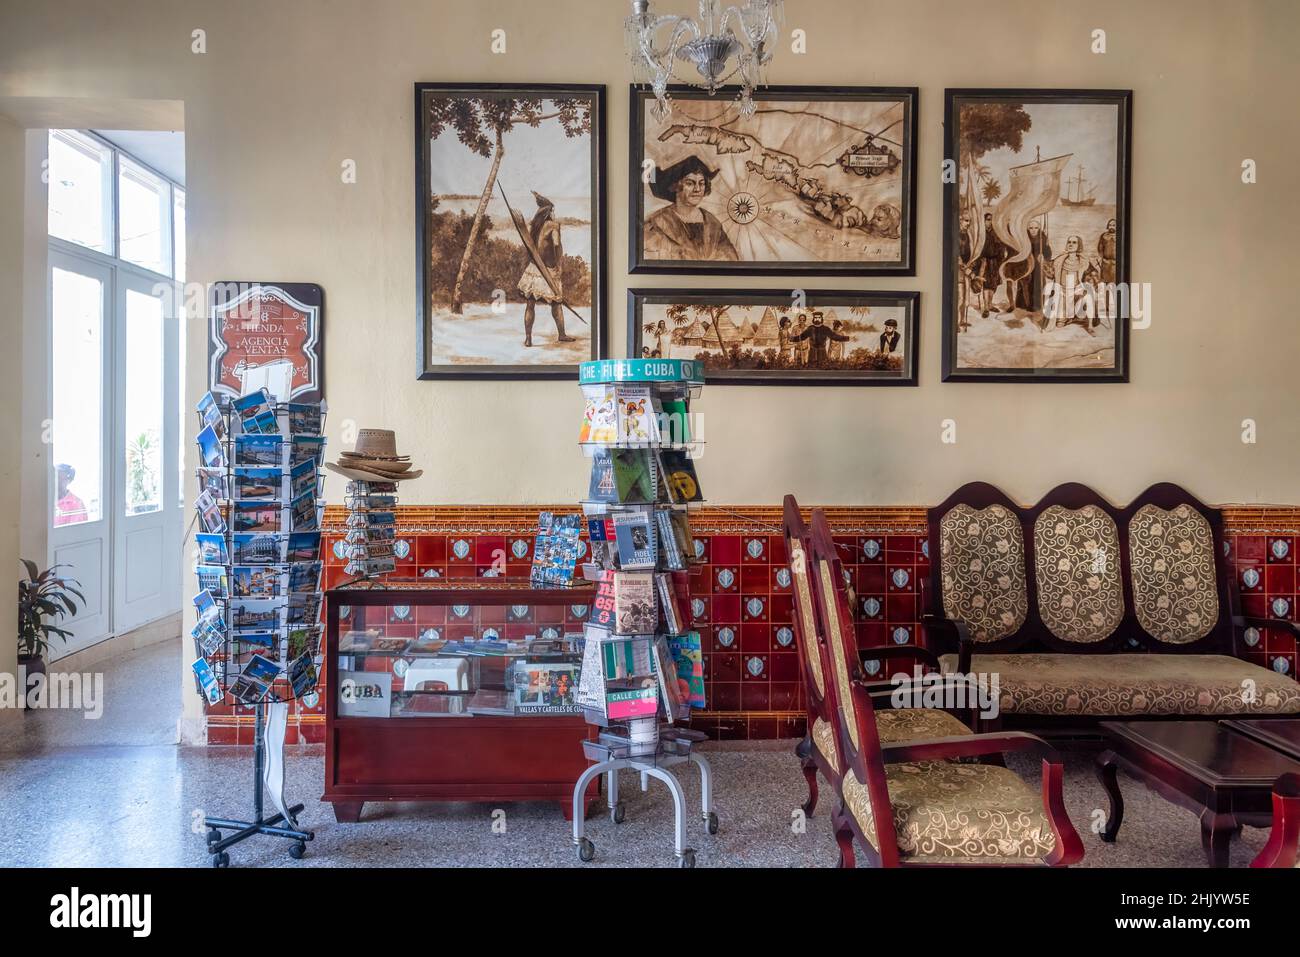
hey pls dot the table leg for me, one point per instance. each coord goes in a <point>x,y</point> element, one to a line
<point>1106,767</point>
<point>348,812</point>
<point>1216,832</point>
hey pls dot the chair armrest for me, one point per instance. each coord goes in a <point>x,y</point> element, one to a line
<point>954,629</point>
<point>969,746</point>
<point>899,651</point>
<point>1282,624</point>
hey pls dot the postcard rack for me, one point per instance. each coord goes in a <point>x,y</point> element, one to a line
<point>372,524</point>
<point>258,633</point>
<point>642,667</point>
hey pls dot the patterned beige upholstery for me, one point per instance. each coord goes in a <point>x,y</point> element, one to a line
<point>1113,685</point>
<point>839,652</point>
<point>804,608</point>
<point>893,727</point>
<point>823,738</point>
<point>1171,556</point>
<point>1077,570</point>
<point>946,812</point>
<point>982,559</point>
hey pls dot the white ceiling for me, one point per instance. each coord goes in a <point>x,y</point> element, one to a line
<point>163,150</point>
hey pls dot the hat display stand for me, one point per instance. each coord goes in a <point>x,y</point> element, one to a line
<point>641,667</point>
<point>258,631</point>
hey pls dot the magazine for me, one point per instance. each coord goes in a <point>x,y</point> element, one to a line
<point>689,660</point>
<point>636,540</point>
<point>212,548</point>
<point>547,687</point>
<point>602,487</point>
<point>636,418</point>
<point>257,484</point>
<point>555,551</point>
<point>602,607</point>
<point>590,694</point>
<point>600,415</point>
<point>673,692</point>
<point>263,450</point>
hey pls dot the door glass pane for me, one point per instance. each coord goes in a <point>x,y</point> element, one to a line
<point>77,304</point>
<point>143,214</point>
<point>79,175</point>
<point>144,402</point>
<point>178,231</point>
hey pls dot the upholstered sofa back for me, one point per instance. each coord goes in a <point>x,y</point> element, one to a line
<point>1074,572</point>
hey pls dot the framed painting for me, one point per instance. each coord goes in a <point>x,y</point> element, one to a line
<point>510,229</point>
<point>820,180</point>
<point>266,335</point>
<point>774,337</point>
<point>1036,235</point>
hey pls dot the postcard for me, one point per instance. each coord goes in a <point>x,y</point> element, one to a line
<point>213,481</point>
<point>304,577</point>
<point>208,685</point>
<point>304,418</point>
<point>303,641</point>
<point>210,412</point>
<point>303,510</point>
<point>255,517</point>
<point>211,452</point>
<point>257,484</point>
<point>263,450</point>
<point>212,579</point>
<point>256,413</point>
<point>302,675</point>
<point>206,607</point>
<point>255,548</point>
<point>210,634</point>
<point>306,447</point>
<point>254,614</point>
<point>210,517</point>
<point>255,581</point>
<point>302,478</point>
<point>303,547</point>
<point>212,548</point>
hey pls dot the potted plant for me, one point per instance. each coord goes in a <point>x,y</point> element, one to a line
<point>43,599</point>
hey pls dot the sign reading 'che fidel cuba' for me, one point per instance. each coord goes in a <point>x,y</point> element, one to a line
<point>641,370</point>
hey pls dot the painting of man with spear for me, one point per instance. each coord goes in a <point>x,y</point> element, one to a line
<point>485,268</point>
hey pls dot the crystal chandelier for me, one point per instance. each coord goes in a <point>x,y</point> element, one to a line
<point>709,44</point>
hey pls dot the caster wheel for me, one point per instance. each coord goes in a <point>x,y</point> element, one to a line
<point>221,860</point>
<point>687,859</point>
<point>618,813</point>
<point>296,851</point>
<point>711,822</point>
<point>586,850</point>
<point>213,836</point>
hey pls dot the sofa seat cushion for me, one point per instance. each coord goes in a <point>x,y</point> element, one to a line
<point>1111,685</point>
<point>948,812</point>
<point>893,727</point>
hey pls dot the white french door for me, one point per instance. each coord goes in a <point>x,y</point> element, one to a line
<point>115,399</point>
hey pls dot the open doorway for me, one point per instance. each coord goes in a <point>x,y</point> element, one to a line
<point>116,262</point>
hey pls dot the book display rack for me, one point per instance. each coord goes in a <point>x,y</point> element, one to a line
<point>258,634</point>
<point>641,664</point>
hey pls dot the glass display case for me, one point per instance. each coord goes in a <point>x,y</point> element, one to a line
<point>453,690</point>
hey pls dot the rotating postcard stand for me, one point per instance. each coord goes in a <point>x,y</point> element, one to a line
<point>258,632</point>
<point>641,662</point>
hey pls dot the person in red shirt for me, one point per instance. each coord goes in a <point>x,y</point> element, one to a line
<point>69,509</point>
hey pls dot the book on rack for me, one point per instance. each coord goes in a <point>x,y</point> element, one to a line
<point>675,696</point>
<point>670,603</point>
<point>635,475</point>
<point>681,520</point>
<point>674,421</point>
<point>666,534</point>
<point>635,609</point>
<point>602,607</point>
<point>679,475</point>
<point>636,416</point>
<point>641,701</point>
<point>689,659</point>
<point>600,415</point>
<point>635,536</point>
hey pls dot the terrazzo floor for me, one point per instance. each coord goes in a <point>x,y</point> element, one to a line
<point>117,792</point>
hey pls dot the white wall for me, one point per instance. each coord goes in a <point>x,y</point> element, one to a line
<point>12,157</point>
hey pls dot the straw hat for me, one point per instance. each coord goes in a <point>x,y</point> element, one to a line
<point>374,458</point>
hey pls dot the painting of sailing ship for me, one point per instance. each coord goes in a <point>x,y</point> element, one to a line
<point>771,337</point>
<point>1036,235</point>
<point>510,231</point>
<point>818,180</point>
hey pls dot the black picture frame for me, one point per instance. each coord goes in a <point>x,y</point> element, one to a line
<point>953,98</point>
<point>904,266</point>
<point>599,320</point>
<point>909,300</point>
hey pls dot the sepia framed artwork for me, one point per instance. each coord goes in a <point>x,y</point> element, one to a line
<point>1036,235</point>
<point>780,337</point>
<point>510,229</point>
<point>820,180</point>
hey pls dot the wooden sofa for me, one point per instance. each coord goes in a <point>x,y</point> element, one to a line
<point>1086,611</point>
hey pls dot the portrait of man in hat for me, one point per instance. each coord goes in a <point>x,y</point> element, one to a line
<point>683,229</point>
<point>889,338</point>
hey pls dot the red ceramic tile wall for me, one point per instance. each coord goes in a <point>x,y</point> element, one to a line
<point>741,605</point>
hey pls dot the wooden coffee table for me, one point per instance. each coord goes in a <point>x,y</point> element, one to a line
<point>1223,770</point>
